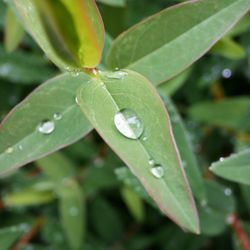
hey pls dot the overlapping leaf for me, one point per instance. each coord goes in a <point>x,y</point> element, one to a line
<point>165,44</point>
<point>101,99</point>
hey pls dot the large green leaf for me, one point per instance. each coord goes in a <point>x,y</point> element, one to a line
<point>153,156</point>
<point>187,155</point>
<point>54,101</point>
<point>230,113</point>
<point>70,32</point>
<point>165,44</point>
<point>235,168</point>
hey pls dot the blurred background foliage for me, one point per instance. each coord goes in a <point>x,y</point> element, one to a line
<point>83,197</point>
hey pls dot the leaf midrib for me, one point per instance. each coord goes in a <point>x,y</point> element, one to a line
<point>146,152</point>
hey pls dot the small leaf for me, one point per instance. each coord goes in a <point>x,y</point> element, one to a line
<point>232,113</point>
<point>133,202</point>
<point>72,212</point>
<point>128,113</point>
<point>70,32</point>
<point>13,32</point>
<point>20,139</point>
<point>28,197</point>
<point>115,3</point>
<point>189,160</point>
<point>161,47</point>
<point>57,166</point>
<point>234,168</point>
<point>171,86</point>
<point>229,48</point>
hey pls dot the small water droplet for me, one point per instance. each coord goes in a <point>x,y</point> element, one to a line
<point>73,211</point>
<point>9,150</point>
<point>116,68</point>
<point>226,73</point>
<point>76,100</point>
<point>57,116</point>
<point>157,171</point>
<point>116,74</point>
<point>75,73</point>
<point>221,159</point>
<point>20,147</point>
<point>151,162</point>
<point>228,191</point>
<point>128,124</point>
<point>46,127</point>
<point>144,138</point>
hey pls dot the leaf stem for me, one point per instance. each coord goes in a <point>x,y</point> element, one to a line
<point>234,222</point>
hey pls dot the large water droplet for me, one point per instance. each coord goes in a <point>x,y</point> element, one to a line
<point>128,123</point>
<point>46,127</point>
<point>116,74</point>
<point>157,171</point>
<point>57,116</point>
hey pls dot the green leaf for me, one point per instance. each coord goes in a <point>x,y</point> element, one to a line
<point>13,32</point>
<point>241,27</point>
<point>187,155</point>
<point>133,202</point>
<point>213,214</point>
<point>9,235</point>
<point>127,91</point>
<point>229,48</point>
<point>232,113</point>
<point>234,168</point>
<point>57,166</point>
<point>115,3</point>
<point>171,86</point>
<point>33,71</point>
<point>20,140</point>
<point>161,47</point>
<point>72,212</point>
<point>70,33</point>
<point>28,197</point>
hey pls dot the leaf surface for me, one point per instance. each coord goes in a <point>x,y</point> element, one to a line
<point>234,168</point>
<point>20,140</point>
<point>102,99</point>
<point>161,47</point>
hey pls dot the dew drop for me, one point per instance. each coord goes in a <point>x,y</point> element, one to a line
<point>144,138</point>
<point>228,191</point>
<point>116,74</point>
<point>221,159</point>
<point>151,162</point>
<point>46,127</point>
<point>57,116</point>
<point>20,147</point>
<point>128,124</point>
<point>9,150</point>
<point>226,73</point>
<point>75,73</point>
<point>76,100</point>
<point>157,171</point>
<point>73,211</point>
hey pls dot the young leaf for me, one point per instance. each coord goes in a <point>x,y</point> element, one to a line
<point>72,211</point>
<point>13,32</point>
<point>70,32</point>
<point>229,48</point>
<point>128,113</point>
<point>235,168</point>
<point>189,160</point>
<point>230,113</point>
<point>161,47</point>
<point>25,135</point>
